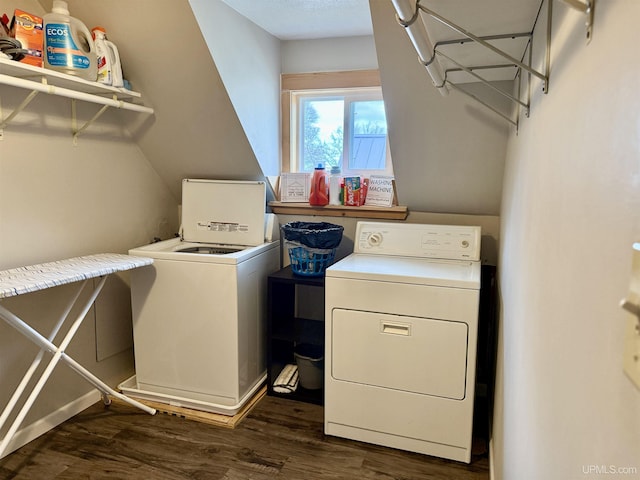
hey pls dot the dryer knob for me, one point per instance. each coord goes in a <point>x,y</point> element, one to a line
<point>375,239</point>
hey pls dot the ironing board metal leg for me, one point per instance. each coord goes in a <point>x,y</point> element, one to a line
<point>103,387</point>
<point>59,351</point>
<point>58,354</point>
<point>36,362</point>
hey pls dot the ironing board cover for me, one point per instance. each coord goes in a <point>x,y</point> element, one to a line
<point>32,278</point>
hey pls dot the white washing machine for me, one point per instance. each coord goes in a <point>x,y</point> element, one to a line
<point>199,311</point>
<point>401,332</point>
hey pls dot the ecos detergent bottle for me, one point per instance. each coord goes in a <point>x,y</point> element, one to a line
<point>69,47</point>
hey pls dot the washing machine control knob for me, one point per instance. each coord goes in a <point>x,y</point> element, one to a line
<point>375,239</point>
<point>465,244</point>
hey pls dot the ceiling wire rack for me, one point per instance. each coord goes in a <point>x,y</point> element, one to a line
<point>428,54</point>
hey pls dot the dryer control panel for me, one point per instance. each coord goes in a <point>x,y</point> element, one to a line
<point>454,242</point>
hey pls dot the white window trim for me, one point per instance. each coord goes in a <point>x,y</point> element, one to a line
<point>349,95</point>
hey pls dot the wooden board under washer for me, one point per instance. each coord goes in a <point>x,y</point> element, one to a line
<point>211,418</point>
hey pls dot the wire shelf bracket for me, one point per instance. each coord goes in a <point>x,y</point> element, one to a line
<point>36,80</point>
<point>415,30</point>
<point>587,7</point>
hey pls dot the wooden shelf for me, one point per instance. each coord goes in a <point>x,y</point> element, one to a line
<point>398,212</point>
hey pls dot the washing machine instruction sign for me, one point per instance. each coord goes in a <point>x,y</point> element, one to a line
<point>229,227</point>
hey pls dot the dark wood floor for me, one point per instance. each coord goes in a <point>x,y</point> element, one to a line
<point>279,439</point>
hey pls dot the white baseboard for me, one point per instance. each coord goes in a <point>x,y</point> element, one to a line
<point>43,425</point>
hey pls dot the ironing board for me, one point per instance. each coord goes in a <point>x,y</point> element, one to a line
<point>18,281</point>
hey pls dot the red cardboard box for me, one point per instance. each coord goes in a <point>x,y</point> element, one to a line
<point>28,29</point>
<point>352,191</point>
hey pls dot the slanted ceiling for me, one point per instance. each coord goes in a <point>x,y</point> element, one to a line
<point>448,152</point>
<point>195,131</point>
<point>307,19</point>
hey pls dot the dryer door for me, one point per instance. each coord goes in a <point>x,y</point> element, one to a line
<point>419,355</point>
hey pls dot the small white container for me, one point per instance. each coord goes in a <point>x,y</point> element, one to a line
<point>310,368</point>
<point>335,180</point>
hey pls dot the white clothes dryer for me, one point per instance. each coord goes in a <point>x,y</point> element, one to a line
<point>400,338</point>
<point>199,312</point>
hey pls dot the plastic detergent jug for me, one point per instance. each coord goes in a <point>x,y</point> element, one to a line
<point>69,47</point>
<point>109,67</point>
<point>319,194</point>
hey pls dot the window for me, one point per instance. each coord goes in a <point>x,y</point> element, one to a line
<point>343,126</point>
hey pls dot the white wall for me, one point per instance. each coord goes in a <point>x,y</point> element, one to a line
<point>195,131</point>
<point>329,55</point>
<point>58,200</point>
<point>570,212</point>
<point>248,59</point>
<point>448,152</point>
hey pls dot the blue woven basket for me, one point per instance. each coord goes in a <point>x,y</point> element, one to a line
<point>308,263</point>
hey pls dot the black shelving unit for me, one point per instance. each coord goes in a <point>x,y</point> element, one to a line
<point>285,329</point>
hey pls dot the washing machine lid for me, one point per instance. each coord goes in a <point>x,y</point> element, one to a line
<point>173,249</point>
<point>410,270</point>
<point>223,212</point>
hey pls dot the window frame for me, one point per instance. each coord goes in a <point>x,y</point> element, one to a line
<point>315,83</point>
<point>349,97</point>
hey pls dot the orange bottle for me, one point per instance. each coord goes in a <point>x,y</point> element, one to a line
<point>319,195</point>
